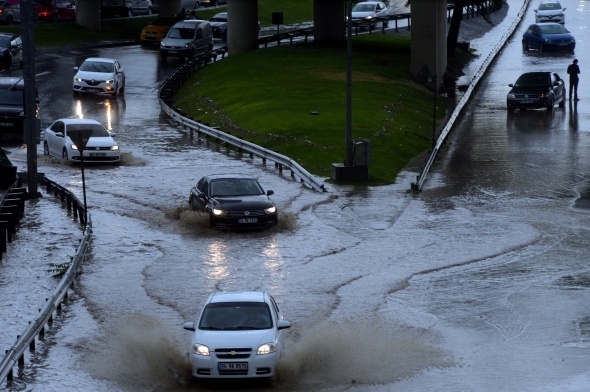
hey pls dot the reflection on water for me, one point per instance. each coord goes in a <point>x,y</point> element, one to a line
<point>107,110</point>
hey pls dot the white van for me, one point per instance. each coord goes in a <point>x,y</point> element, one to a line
<point>187,39</point>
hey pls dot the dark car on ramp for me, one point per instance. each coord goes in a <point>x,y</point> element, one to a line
<point>234,202</point>
<point>533,90</point>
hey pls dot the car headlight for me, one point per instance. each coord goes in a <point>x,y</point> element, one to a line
<point>73,146</point>
<point>271,210</point>
<point>77,79</point>
<point>110,81</point>
<point>218,212</point>
<point>266,348</point>
<point>200,349</point>
<point>368,17</point>
<point>115,148</point>
<point>511,96</point>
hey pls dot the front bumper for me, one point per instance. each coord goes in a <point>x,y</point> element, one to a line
<point>258,366</point>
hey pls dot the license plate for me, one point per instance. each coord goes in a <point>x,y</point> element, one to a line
<point>172,51</point>
<point>232,366</point>
<point>526,101</point>
<point>5,124</point>
<point>98,154</point>
<point>248,220</point>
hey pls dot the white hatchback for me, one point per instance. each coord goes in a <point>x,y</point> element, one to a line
<point>100,147</point>
<point>99,75</point>
<point>550,11</point>
<point>237,335</point>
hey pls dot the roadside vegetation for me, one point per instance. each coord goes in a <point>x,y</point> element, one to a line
<point>292,99</point>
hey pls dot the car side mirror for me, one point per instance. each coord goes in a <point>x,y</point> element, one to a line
<point>269,193</point>
<point>564,8</point>
<point>284,324</point>
<point>511,85</point>
<point>76,68</point>
<point>59,134</point>
<point>190,326</point>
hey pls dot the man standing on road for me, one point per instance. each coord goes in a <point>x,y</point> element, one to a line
<point>573,70</point>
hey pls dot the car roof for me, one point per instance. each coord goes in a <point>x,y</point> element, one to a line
<point>103,59</point>
<point>237,296</point>
<point>10,35</point>
<point>221,14</point>
<point>189,23</point>
<point>79,121</point>
<point>225,176</point>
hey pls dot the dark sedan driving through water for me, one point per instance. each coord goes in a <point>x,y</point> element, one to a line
<point>233,202</point>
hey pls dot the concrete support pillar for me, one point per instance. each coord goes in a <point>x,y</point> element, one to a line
<point>88,14</point>
<point>242,26</point>
<point>169,7</point>
<point>429,37</point>
<point>329,20</point>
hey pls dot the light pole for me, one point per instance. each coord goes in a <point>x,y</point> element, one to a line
<point>348,133</point>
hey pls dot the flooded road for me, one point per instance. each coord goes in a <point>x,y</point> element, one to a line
<point>478,283</point>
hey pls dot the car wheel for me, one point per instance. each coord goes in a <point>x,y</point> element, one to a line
<point>551,104</point>
<point>64,154</point>
<point>76,93</point>
<point>122,90</point>
<point>150,11</point>
<point>541,48</point>
<point>129,12</point>
<point>163,57</point>
<point>55,17</point>
<point>45,148</point>
<point>9,19</point>
<point>525,47</point>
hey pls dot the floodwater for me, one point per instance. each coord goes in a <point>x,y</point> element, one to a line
<point>479,283</point>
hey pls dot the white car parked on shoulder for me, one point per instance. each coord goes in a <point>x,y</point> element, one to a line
<point>59,141</point>
<point>237,335</point>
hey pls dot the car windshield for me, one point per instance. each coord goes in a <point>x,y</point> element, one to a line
<point>219,18</point>
<point>533,79</point>
<point>181,33</point>
<point>549,6</point>
<point>232,316</point>
<point>11,97</point>
<point>97,129</point>
<point>97,66</point>
<point>235,187</point>
<point>552,29</point>
<point>4,42</point>
<point>363,7</point>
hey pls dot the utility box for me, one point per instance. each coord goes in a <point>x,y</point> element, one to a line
<point>361,153</point>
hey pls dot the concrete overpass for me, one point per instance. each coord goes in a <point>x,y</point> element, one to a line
<point>429,26</point>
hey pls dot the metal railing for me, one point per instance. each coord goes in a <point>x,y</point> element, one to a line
<point>14,356</point>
